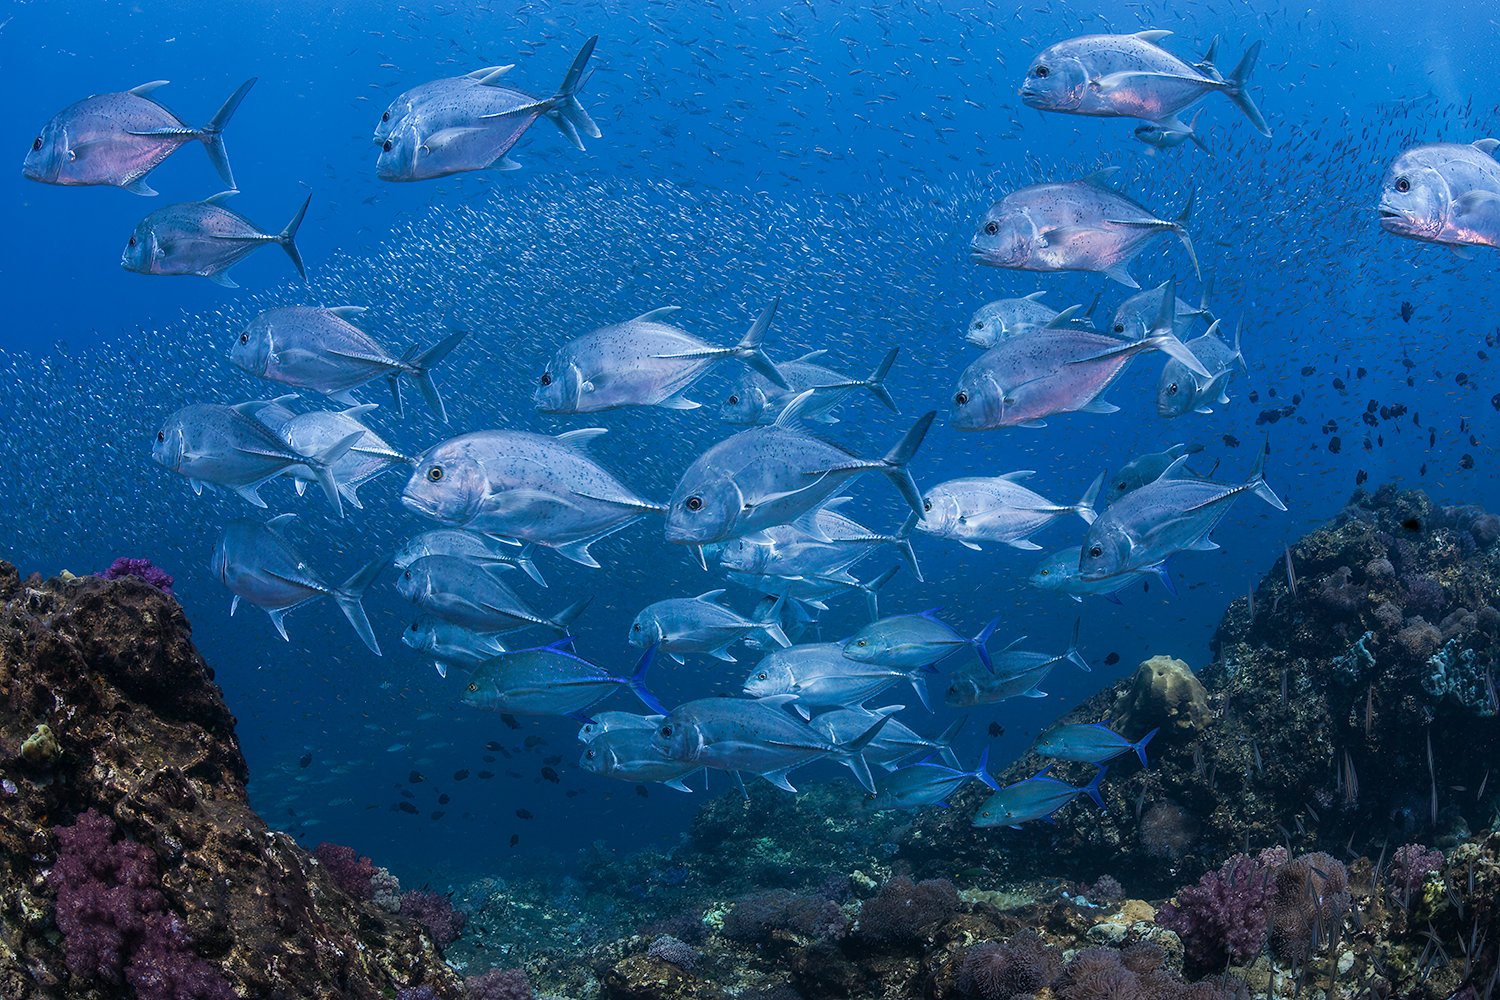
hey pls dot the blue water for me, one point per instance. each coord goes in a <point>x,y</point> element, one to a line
<point>832,154</point>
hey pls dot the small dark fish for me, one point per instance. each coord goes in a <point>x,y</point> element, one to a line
<point>1466,462</point>
<point>406,794</point>
<point>444,799</point>
<point>1407,310</point>
<point>996,730</point>
<point>515,839</point>
<point>641,791</point>
<point>305,760</point>
<point>1230,441</point>
<point>415,778</point>
<point>532,742</point>
<point>493,744</point>
<point>510,721</point>
<point>553,760</point>
<point>1111,659</point>
<point>524,814</point>
<point>438,814</point>
<point>551,775</point>
<point>407,807</point>
<point>485,775</point>
<point>1361,477</point>
<point>461,774</point>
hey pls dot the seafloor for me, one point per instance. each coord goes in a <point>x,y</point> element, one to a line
<point>1318,820</point>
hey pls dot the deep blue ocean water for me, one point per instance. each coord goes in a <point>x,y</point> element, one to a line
<point>836,155</point>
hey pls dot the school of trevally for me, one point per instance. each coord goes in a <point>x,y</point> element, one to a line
<point>735,500</point>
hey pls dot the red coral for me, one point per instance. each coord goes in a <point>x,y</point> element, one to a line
<point>434,911</point>
<point>349,871</point>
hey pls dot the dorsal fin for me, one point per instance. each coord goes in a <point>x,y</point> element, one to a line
<point>1153,35</point>
<point>656,315</point>
<point>1034,296</point>
<point>1100,178</point>
<point>347,312</point>
<point>1486,145</point>
<point>220,198</point>
<point>145,89</point>
<point>1064,318</point>
<point>281,520</point>
<point>712,595</point>
<point>582,435</point>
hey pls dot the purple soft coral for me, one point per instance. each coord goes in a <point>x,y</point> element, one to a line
<point>435,912</point>
<point>349,871</point>
<point>498,984</point>
<point>1224,917</point>
<point>141,569</point>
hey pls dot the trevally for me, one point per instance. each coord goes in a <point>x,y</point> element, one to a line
<point>1034,798</point>
<point>642,362</point>
<point>552,680</point>
<point>1141,312</point>
<point>928,784</point>
<point>756,399</point>
<point>435,92</point>
<point>117,139</point>
<point>1446,193</point>
<point>1145,469</point>
<point>895,743</point>
<point>315,432</point>
<point>629,755</point>
<point>604,722</point>
<point>468,545</point>
<point>1083,225</point>
<point>919,640</point>
<point>227,446</point>
<point>1090,744</point>
<point>819,676</point>
<point>996,509</point>
<point>1058,574</point>
<point>1007,318</point>
<point>699,625</point>
<point>204,238</point>
<point>1131,76</point>
<point>257,564</point>
<point>1181,391</point>
<point>473,596</point>
<point>320,349</point>
<point>824,549</point>
<point>452,645</point>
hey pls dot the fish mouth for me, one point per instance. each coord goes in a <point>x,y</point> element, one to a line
<point>418,506</point>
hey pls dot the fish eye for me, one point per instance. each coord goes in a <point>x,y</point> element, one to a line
<point>244,338</point>
<point>161,435</point>
<point>414,626</point>
<point>979,324</point>
<point>546,378</point>
<point>589,754</point>
<point>992,228</point>
<point>1119,328</point>
<point>733,400</point>
<point>666,731</point>
<point>636,627</point>
<point>36,144</point>
<point>1046,572</point>
<point>1096,551</point>
<point>385,116</point>
<point>387,146</point>
<point>926,505</point>
<point>1043,72</point>
<point>1119,486</point>
<point>435,474</point>
<point>473,686</point>
<point>1402,184</point>
<point>132,242</point>
<point>962,399</point>
<point>761,676</point>
<point>694,503</point>
<point>1172,389</point>
<point>862,642</point>
<point>407,574</point>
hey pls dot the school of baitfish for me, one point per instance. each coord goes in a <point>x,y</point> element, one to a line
<point>763,506</point>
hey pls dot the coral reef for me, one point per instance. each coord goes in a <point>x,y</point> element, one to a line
<point>129,855</point>
<point>141,569</point>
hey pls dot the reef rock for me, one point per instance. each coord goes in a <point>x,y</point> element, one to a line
<point>1164,695</point>
<point>106,706</point>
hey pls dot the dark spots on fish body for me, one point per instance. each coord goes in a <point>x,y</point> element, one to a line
<point>551,775</point>
<point>524,814</point>
<point>461,774</point>
<point>1412,524</point>
<point>415,778</point>
<point>485,775</point>
<point>407,807</point>
<point>1467,462</point>
<point>305,760</point>
<point>996,730</point>
<point>443,799</point>
<point>1111,659</point>
<point>510,721</point>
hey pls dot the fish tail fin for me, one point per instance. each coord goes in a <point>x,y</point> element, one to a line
<point>1180,228</point>
<point>566,113</point>
<point>564,619</point>
<point>321,465</point>
<point>749,350</point>
<point>919,685</point>
<point>1239,356</point>
<point>944,741</point>
<point>871,589</point>
<point>1140,746</point>
<point>1084,508</point>
<point>860,767</point>
<point>904,549</point>
<point>212,134</point>
<point>1072,655</point>
<point>637,682</point>
<point>350,596</point>
<point>875,384</point>
<point>981,643</point>
<point>1092,788</point>
<point>982,769</point>
<point>769,621</point>
<point>421,370</point>
<point>1234,89</point>
<point>288,238</point>
<point>895,461</point>
<point>1257,481</point>
<point>528,565</point>
<point>858,744</point>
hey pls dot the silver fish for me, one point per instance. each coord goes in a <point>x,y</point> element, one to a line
<point>117,139</point>
<point>316,431</point>
<point>1131,76</point>
<point>472,596</point>
<point>628,755</point>
<point>435,92</point>
<point>971,688</point>
<point>257,564</point>
<point>928,784</point>
<point>529,487</point>
<point>1145,469</point>
<point>1082,225</point>
<point>1177,512</point>
<point>473,128</point>
<point>1034,798</point>
<point>204,238</point>
<point>319,348</point>
<point>605,722</point>
<point>1138,314</point>
<point>227,446</point>
<point>824,551</point>
<point>915,641</point>
<point>467,545</point>
<point>1446,193</point>
<point>1090,744</point>
<point>1007,318</point>
<point>895,743</point>
<point>996,509</point>
<point>452,645</point>
<point>642,362</point>
<point>1181,391</point>
<point>819,676</point>
<point>699,625</point>
<point>773,475</point>
<point>552,680</point>
<point>1170,135</point>
<point>1058,573</point>
<point>756,399</point>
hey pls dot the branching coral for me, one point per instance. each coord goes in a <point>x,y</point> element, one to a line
<point>434,911</point>
<point>1224,917</point>
<point>349,871</point>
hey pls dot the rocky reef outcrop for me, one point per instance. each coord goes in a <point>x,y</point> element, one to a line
<point>131,863</point>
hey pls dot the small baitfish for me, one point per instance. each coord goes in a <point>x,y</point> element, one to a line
<point>204,238</point>
<point>1034,798</point>
<point>117,139</point>
<point>256,563</point>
